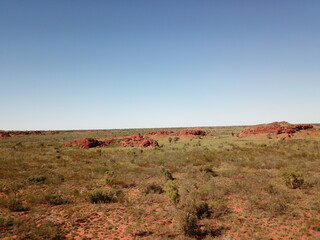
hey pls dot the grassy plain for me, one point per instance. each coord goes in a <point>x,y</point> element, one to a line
<point>218,187</point>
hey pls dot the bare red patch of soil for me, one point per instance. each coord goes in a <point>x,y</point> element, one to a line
<point>86,143</point>
<point>278,130</point>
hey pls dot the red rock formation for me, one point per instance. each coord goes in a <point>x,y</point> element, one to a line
<point>86,143</point>
<point>162,132</point>
<point>110,141</point>
<point>54,132</point>
<point>137,140</point>
<point>192,132</point>
<point>4,134</point>
<point>148,143</point>
<point>23,133</point>
<point>274,129</point>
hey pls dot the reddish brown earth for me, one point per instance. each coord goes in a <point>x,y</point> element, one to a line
<point>86,143</point>
<point>278,129</point>
<point>192,132</point>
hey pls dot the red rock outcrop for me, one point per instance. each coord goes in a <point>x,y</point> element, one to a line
<point>23,133</point>
<point>192,132</point>
<point>110,141</point>
<point>86,143</point>
<point>54,132</point>
<point>274,129</point>
<point>148,143</point>
<point>4,134</point>
<point>161,132</point>
<point>137,140</point>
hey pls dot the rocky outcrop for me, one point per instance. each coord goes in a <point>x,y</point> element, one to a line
<point>86,143</point>
<point>4,134</point>
<point>192,132</point>
<point>137,140</point>
<point>273,130</point>
<point>162,132</point>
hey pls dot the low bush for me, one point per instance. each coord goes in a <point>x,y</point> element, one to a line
<point>105,196</point>
<point>55,199</point>
<point>188,223</point>
<point>6,222</point>
<point>152,188</point>
<point>14,204</point>
<point>293,179</point>
<point>39,179</point>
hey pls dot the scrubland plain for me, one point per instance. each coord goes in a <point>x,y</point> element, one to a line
<point>213,187</point>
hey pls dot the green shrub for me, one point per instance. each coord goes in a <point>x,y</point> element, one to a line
<point>105,196</point>
<point>172,191</point>
<point>293,179</point>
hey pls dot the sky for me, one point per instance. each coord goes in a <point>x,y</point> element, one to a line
<point>170,63</point>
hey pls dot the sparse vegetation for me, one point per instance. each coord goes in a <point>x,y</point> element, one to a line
<point>223,187</point>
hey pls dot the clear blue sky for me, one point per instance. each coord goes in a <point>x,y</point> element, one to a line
<point>132,64</point>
